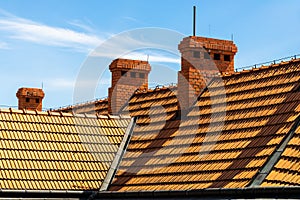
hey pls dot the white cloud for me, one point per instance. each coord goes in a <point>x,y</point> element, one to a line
<point>136,44</point>
<point>131,19</point>
<point>114,52</point>
<point>80,24</point>
<point>4,45</point>
<point>28,30</point>
<point>59,83</point>
<point>23,29</point>
<point>151,57</point>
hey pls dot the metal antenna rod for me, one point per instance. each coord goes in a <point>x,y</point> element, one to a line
<point>194,22</point>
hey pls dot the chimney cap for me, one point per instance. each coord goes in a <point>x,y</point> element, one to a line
<point>30,92</point>
<point>122,63</point>
<point>207,43</point>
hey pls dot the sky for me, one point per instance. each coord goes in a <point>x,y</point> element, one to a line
<point>47,43</point>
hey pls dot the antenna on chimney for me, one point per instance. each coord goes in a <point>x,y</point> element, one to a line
<point>194,21</point>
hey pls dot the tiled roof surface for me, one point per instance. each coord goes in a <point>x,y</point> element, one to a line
<point>55,151</point>
<point>287,170</point>
<point>154,105</point>
<point>152,102</point>
<point>211,147</point>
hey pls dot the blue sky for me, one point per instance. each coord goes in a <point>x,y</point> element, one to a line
<point>48,41</point>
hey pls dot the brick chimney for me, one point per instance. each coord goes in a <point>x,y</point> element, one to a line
<point>30,98</point>
<point>201,60</point>
<point>127,77</point>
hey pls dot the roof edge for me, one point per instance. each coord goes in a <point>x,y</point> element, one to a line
<point>61,114</point>
<point>211,193</point>
<point>44,194</point>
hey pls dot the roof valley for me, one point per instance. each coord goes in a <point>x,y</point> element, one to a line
<point>273,159</point>
<point>119,155</point>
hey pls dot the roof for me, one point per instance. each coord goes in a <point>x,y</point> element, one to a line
<point>286,171</point>
<point>57,151</point>
<point>212,193</point>
<point>154,105</point>
<point>242,132</point>
<point>93,107</point>
<point>233,131</point>
<point>159,99</point>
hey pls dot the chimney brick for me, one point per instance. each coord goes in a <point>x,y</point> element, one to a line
<point>127,77</point>
<point>30,98</point>
<point>201,60</point>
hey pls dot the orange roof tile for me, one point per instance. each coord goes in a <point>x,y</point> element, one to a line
<point>211,147</point>
<point>56,151</point>
<point>155,101</point>
<point>227,137</point>
<point>286,172</point>
<point>155,105</point>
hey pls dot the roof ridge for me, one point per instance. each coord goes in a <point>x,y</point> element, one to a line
<point>262,67</point>
<point>156,88</point>
<point>61,114</point>
<point>100,100</point>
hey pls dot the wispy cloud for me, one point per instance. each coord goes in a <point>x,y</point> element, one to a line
<point>152,57</point>
<point>131,19</point>
<point>4,45</point>
<point>84,40</point>
<point>82,25</point>
<point>141,44</point>
<point>24,29</point>
<point>67,83</point>
<point>59,83</point>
